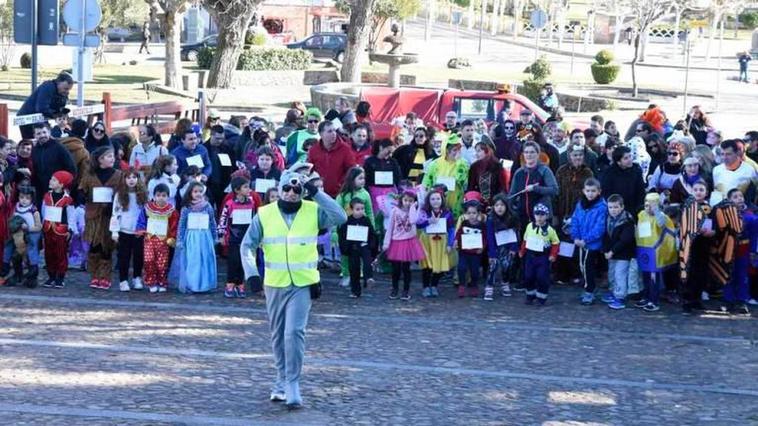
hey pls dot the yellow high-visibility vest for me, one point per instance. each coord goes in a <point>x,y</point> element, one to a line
<point>291,256</point>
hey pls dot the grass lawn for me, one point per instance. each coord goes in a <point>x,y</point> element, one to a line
<point>124,82</point>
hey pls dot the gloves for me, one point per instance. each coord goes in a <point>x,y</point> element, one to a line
<point>310,189</point>
<point>254,284</point>
<point>315,290</point>
<point>114,236</point>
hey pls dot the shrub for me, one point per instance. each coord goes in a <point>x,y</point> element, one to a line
<point>532,89</point>
<point>604,57</point>
<point>204,58</point>
<point>255,39</point>
<point>274,58</point>
<point>749,19</point>
<point>26,61</point>
<point>605,73</point>
<point>540,69</point>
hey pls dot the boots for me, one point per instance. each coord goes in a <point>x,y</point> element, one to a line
<point>18,272</point>
<point>30,280</point>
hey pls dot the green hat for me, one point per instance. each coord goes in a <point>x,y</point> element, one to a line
<point>315,112</point>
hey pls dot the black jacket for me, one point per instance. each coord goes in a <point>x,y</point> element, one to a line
<point>626,183</point>
<point>373,164</point>
<point>619,237</point>
<point>220,175</point>
<point>354,247</point>
<point>45,100</point>
<point>47,159</point>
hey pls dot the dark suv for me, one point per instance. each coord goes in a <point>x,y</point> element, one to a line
<point>323,45</point>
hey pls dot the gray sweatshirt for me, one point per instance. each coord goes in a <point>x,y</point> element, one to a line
<point>329,214</point>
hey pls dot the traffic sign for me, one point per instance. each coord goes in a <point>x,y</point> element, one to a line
<point>47,24</point>
<point>72,15</point>
<point>538,19</point>
<point>72,39</point>
<point>22,21</point>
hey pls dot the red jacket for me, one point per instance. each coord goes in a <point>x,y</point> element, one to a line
<point>332,165</point>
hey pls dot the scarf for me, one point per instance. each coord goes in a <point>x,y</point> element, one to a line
<point>289,207</point>
<point>198,205</point>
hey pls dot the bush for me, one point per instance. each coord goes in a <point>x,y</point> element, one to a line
<point>255,39</point>
<point>205,57</point>
<point>532,89</point>
<point>605,73</point>
<point>540,69</point>
<point>604,57</point>
<point>749,19</point>
<point>263,59</point>
<point>26,61</point>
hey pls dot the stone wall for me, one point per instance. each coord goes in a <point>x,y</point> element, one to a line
<point>383,78</point>
<point>324,96</point>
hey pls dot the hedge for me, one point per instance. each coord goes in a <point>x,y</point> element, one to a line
<point>604,57</point>
<point>605,73</point>
<point>263,59</point>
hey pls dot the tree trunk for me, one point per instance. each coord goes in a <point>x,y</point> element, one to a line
<point>233,19</point>
<point>677,25</point>
<point>635,89</point>
<point>714,26</point>
<point>517,7</point>
<point>494,18</point>
<point>617,36</point>
<point>470,15</point>
<point>171,25</point>
<point>644,37</point>
<point>358,28</point>
<point>429,20</point>
<point>561,26</point>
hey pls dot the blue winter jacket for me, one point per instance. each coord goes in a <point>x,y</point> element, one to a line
<point>589,224</point>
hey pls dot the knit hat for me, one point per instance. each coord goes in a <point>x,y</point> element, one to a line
<point>472,196</point>
<point>541,209</point>
<point>65,178</point>
<point>315,112</point>
<point>289,178</point>
<point>691,160</point>
<point>653,197</point>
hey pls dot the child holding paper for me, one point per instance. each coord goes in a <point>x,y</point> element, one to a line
<point>97,187</point>
<point>354,187</point>
<point>618,249</point>
<point>401,242</point>
<point>357,242</point>
<point>265,176</point>
<point>158,222</point>
<point>236,217</point>
<point>195,242</point>
<point>538,249</point>
<point>587,230</point>
<point>470,241</point>
<point>502,245</point>
<point>438,238</point>
<point>59,217</point>
<point>656,250</point>
<point>127,207</point>
<point>697,234</point>
<point>164,171</point>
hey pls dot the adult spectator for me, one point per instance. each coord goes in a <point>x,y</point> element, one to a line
<point>379,168</point>
<point>331,158</point>
<point>532,184</point>
<point>346,114</point>
<point>744,59</point>
<point>360,144</point>
<point>79,129</point>
<point>412,156</point>
<point>751,140</point>
<point>691,173</point>
<point>222,161</point>
<point>732,173</point>
<point>557,138</point>
<point>49,99</point>
<point>451,122</point>
<point>96,137</point>
<point>486,175</point>
<point>469,138</point>
<point>48,157</point>
<point>291,124</point>
<point>624,177</point>
<point>262,139</point>
<point>527,118</point>
<point>181,128</point>
<point>590,137</point>
<point>295,152</point>
<point>6,169</point>
<point>292,278</point>
<point>147,150</point>
<point>192,153</point>
<point>213,119</point>
<point>668,172</point>
<point>610,132</point>
<point>605,160</point>
<point>570,178</point>
<point>597,123</point>
<point>145,38</point>
<point>507,146</point>
<point>548,99</point>
<point>698,124</point>
<point>363,112</point>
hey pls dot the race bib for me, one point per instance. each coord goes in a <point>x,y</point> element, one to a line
<point>535,244</point>
<point>437,228</point>
<point>223,159</point>
<point>449,182</point>
<point>471,241</point>
<point>644,230</point>
<point>263,185</point>
<point>195,160</point>
<point>53,214</point>
<point>383,178</point>
<point>357,233</point>
<point>506,236</point>
<point>242,217</point>
<point>197,221</point>
<point>102,194</point>
<point>157,227</point>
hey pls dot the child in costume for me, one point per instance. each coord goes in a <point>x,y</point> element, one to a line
<point>470,241</point>
<point>196,238</point>
<point>236,216</point>
<point>357,247</point>
<point>502,246</point>
<point>437,234</point>
<point>127,206</point>
<point>737,290</point>
<point>656,250</point>
<point>538,249</point>
<point>354,187</point>
<point>58,227</point>
<point>401,243</point>
<point>158,223</point>
<point>24,238</point>
<point>452,171</point>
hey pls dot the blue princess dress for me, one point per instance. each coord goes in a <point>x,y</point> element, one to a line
<point>195,257</point>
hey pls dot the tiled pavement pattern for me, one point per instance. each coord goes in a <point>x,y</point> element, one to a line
<point>80,356</point>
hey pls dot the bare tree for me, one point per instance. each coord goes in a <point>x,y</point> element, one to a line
<point>171,20</point>
<point>357,38</point>
<point>719,9</point>
<point>645,13</point>
<point>619,9</point>
<point>233,18</point>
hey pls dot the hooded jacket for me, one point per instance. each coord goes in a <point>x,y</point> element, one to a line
<point>628,184</point>
<point>588,222</point>
<point>332,164</point>
<point>619,237</point>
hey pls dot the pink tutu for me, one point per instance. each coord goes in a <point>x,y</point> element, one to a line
<point>409,250</point>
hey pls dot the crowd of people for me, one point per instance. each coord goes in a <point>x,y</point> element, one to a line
<point>512,205</point>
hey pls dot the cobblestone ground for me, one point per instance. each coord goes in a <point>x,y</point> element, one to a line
<point>79,356</point>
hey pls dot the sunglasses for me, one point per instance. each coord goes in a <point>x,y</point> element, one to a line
<point>97,130</point>
<point>673,154</point>
<point>509,127</point>
<point>420,135</point>
<point>295,188</point>
<point>313,121</point>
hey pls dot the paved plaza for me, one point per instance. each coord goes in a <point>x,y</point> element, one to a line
<point>79,356</point>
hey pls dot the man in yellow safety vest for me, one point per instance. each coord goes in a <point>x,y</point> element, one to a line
<point>287,232</point>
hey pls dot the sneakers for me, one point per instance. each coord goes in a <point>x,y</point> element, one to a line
<point>239,290</point>
<point>488,293</point>
<point>617,304</point>
<point>278,396</point>
<point>608,298</point>
<point>576,281</point>
<point>345,282</point>
<point>461,291</point>
<point>651,307</point>
<point>59,282</point>
<point>406,296</point>
<point>393,294</point>
<point>587,298</point>
<point>354,296</point>
<point>519,287</point>
<point>642,303</point>
<point>434,292</point>
<point>704,296</point>
<point>137,284</point>
<point>369,283</point>
<point>426,292</point>
<point>505,290</point>
<point>123,286</point>
<point>740,309</point>
<point>153,288</point>
<point>49,283</point>
<point>473,291</point>
<point>752,302</point>
<point>229,291</point>
<point>161,289</point>
<point>95,283</point>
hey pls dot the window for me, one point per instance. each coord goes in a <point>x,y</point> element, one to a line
<point>314,42</point>
<point>473,108</point>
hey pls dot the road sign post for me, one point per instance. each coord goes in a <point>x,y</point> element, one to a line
<point>82,17</point>
<point>538,19</point>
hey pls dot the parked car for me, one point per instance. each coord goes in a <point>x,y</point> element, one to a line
<point>121,34</point>
<point>189,51</point>
<point>324,45</point>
